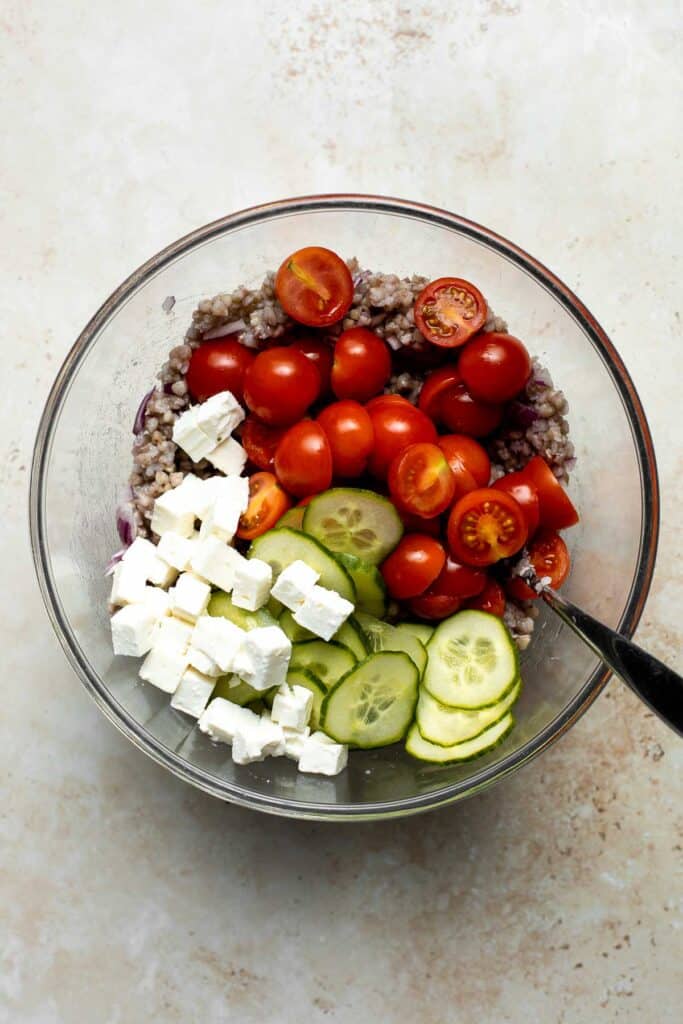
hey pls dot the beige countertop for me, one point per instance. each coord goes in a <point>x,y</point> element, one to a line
<point>127,896</point>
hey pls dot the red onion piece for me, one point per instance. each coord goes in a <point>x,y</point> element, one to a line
<point>125,523</point>
<point>222,332</point>
<point>522,415</point>
<point>114,561</point>
<point>139,422</point>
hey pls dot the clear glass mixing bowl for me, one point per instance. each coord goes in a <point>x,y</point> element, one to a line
<point>82,460</point>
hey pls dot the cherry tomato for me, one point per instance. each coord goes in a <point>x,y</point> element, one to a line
<point>413,565</point>
<point>495,367</point>
<point>320,354</point>
<point>314,286</point>
<point>303,460</point>
<point>469,462</point>
<point>434,606</point>
<point>260,441</point>
<point>305,501</point>
<point>463,414</point>
<point>555,507</point>
<point>362,364</point>
<point>349,431</point>
<point>280,385</point>
<point>458,580</point>
<point>525,494</point>
<point>550,558</point>
<point>449,311</point>
<point>485,526</point>
<point>267,502</point>
<point>396,425</point>
<point>491,599</point>
<point>418,524</point>
<point>381,401</point>
<point>435,386</point>
<point>420,480</point>
<point>218,366</point>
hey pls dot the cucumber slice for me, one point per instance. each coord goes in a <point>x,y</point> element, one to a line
<point>373,704</point>
<point>240,694</point>
<point>327,661</point>
<point>220,604</point>
<point>371,591</point>
<point>292,629</point>
<point>293,517</point>
<point>282,546</point>
<point>472,661</point>
<point>491,737</point>
<point>421,630</point>
<point>445,726</point>
<point>381,636</point>
<point>302,677</point>
<point>354,522</point>
<point>351,635</point>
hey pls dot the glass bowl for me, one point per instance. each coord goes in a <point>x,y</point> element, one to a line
<point>82,460</point>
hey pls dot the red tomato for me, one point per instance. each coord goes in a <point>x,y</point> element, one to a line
<point>550,558</point>
<point>463,414</point>
<point>459,580</point>
<point>555,507</point>
<point>362,364</point>
<point>314,286</point>
<point>485,526</point>
<point>320,354</point>
<point>267,502</point>
<point>469,462</point>
<point>434,606</point>
<point>280,385</point>
<point>412,565</point>
<point>349,431</point>
<point>260,441</point>
<point>491,599</point>
<point>435,386</point>
<point>420,480</point>
<point>218,366</point>
<point>381,401</point>
<point>303,460</point>
<point>525,494</point>
<point>305,501</point>
<point>396,425</point>
<point>495,367</point>
<point>449,311</point>
<point>417,524</point>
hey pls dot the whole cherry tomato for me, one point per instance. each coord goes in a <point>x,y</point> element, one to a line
<point>396,425</point>
<point>491,599</point>
<point>434,606</point>
<point>445,399</point>
<point>550,558</point>
<point>218,366</point>
<point>485,526</point>
<point>449,311</point>
<point>495,367</point>
<point>555,506</point>
<point>320,354</point>
<point>349,431</point>
<point>436,384</point>
<point>418,524</point>
<point>469,462</point>
<point>412,565</point>
<point>362,364</point>
<point>303,460</point>
<point>520,487</point>
<point>260,441</point>
<point>267,502</point>
<point>458,580</point>
<point>280,385</point>
<point>379,401</point>
<point>314,286</point>
<point>420,480</point>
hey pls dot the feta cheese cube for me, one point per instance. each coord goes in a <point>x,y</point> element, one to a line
<point>216,562</point>
<point>219,639</point>
<point>229,456</point>
<point>189,435</point>
<point>173,512</point>
<point>158,602</point>
<point>322,756</point>
<point>161,573</point>
<point>251,585</point>
<point>292,706</point>
<point>223,517</point>
<point>193,693</point>
<point>177,551</point>
<point>218,416</point>
<point>132,629</point>
<point>173,634</point>
<point>164,667</point>
<point>294,741</point>
<point>323,612</point>
<point>189,597</point>
<point>202,663</point>
<point>294,584</point>
<point>256,742</point>
<point>263,659</point>
<point>221,718</point>
<point>128,583</point>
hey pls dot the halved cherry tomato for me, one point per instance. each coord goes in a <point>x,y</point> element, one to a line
<point>491,599</point>
<point>396,425</point>
<point>550,558</point>
<point>413,565</point>
<point>449,311</point>
<point>320,354</point>
<point>260,441</point>
<point>495,367</point>
<point>267,502</point>
<point>303,460</point>
<point>485,526</point>
<point>556,509</point>
<point>362,364</point>
<point>435,386</point>
<point>349,431</point>
<point>314,286</point>
<point>280,385</point>
<point>463,414</point>
<point>434,606</point>
<point>469,462</point>
<point>520,487</point>
<point>218,366</point>
<point>420,480</point>
<point>458,580</point>
<point>418,524</point>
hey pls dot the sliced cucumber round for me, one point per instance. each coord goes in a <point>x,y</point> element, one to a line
<point>302,677</point>
<point>445,726</point>
<point>293,517</point>
<point>327,661</point>
<point>352,521</point>
<point>282,546</point>
<point>351,635</point>
<point>292,629</point>
<point>421,630</point>
<point>371,591</point>
<point>381,636</point>
<point>220,605</point>
<point>373,704</point>
<point>471,661</point>
<point>238,692</point>
<point>423,750</point>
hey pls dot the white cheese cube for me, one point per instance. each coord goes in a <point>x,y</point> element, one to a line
<point>252,583</point>
<point>164,667</point>
<point>218,416</point>
<point>272,736</point>
<point>189,435</point>
<point>189,597</point>
<point>219,639</point>
<point>158,602</point>
<point>161,573</point>
<point>229,456</point>
<point>216,562</point>
<point>132,629</point>
<point>128,583</point>
<point>177,551</point>
<point>323,612</point>
<point>292,707</point>
<point>254,742</point>
<point>173,634</point>
<point>203,663</point>
<point>193,693</point>
<point>294,584</point>
<point>223,517</point>
<point>173,512</point>
<point>294,741</point>
<point>322,756</point>
<point>222,718</point>
<point>263,659</point>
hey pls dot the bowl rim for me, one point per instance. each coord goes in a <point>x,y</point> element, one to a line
<point>649,486</point>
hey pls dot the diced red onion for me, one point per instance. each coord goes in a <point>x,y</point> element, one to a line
<point>523,415</point>
<point>114,561</point>
<point>139,422</point>
<point>125,523</point>
<point>222,332</point>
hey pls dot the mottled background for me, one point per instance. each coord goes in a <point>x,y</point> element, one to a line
<point>127,896</point>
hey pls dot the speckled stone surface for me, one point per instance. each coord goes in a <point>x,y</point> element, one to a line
<point>128,897</point>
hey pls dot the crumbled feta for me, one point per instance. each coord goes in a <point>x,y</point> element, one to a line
<point>322,756</point>
<point>164,667</point>
<point>173,512</point>
<point>216,562</point>
<point>202,662</point>
<point>177,550</point>
<point>263,659</point>
<point>219,415</point>
<point>219,639</point>
<point>251,585</point>
<point>292,706</point>
<point>188,435</point>
<point>323,612</point>
<point>223,517</point>
<point>294,584</point>
<point>221,718</point>
<point>132,629</point>
<point>294,741</point>
<point>193,693</point>
<point>189,597</point>
<point>229,456</point>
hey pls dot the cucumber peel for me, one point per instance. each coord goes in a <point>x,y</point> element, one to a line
<point>421,749</point>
